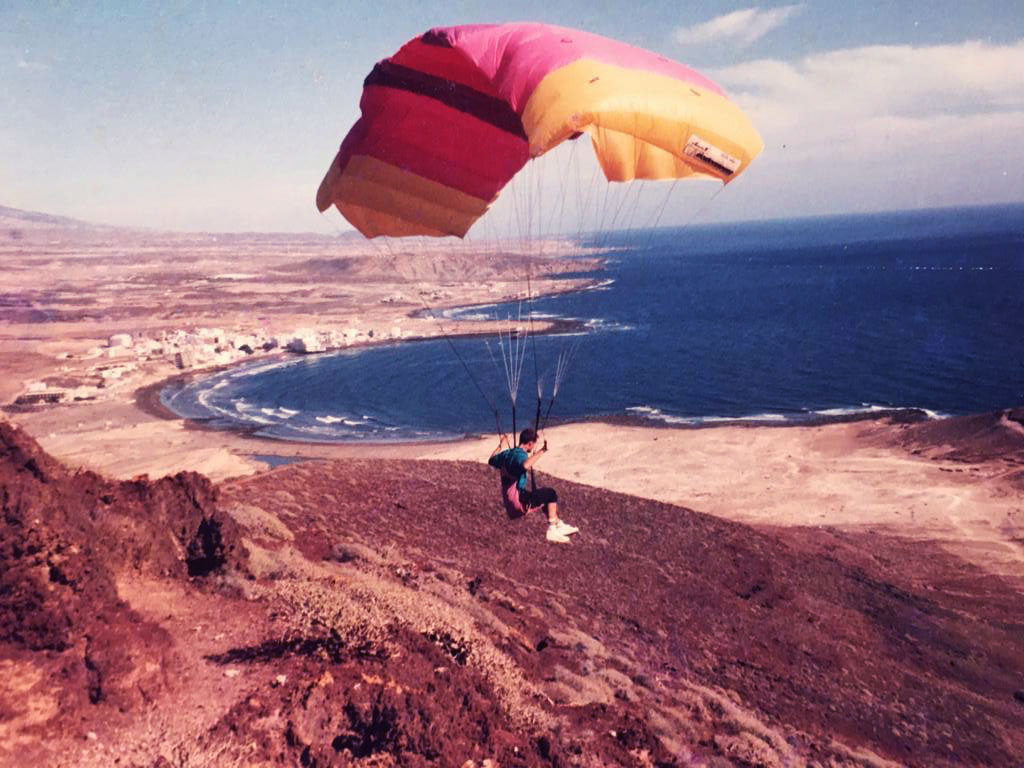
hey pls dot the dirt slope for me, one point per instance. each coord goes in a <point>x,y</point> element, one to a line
<point>659,615</point>
<point>388,613</point>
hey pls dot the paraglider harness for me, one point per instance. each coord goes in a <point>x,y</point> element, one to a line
<point>509,464</point>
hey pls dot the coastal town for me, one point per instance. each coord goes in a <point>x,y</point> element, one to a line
<point>105,311</point>
<point>101,371</point>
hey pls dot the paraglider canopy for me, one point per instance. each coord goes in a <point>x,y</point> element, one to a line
<point>450,118</point>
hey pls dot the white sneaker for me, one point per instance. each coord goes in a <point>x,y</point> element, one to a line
<point>564,527</point>
<point>555,535</point>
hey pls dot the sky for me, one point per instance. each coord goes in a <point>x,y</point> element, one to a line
<point>225,116</point>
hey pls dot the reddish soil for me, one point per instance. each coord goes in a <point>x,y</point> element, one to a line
<point>388,613</point>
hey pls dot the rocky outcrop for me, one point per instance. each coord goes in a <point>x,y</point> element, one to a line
<point>66,537</point>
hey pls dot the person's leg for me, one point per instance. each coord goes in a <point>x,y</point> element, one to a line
<point>547,498</point>
<point>552,509</point>
<point>554,521</point>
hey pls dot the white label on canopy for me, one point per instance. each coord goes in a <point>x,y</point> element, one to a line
<point>710,154</point>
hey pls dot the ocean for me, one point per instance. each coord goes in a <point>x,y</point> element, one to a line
<point>778,322</point>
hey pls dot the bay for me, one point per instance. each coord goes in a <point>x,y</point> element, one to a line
<point>768,322</point>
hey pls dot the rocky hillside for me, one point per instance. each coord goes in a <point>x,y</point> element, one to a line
<point>388,613</point>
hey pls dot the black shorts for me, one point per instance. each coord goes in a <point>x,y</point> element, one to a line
<point>537,498</point>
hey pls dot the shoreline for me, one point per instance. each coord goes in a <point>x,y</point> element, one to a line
<point>859,472</point>
<point>148,397</point>
<point>149,400</point>
<point>128,430</point>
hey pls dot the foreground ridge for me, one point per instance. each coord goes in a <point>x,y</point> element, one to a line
<point>387,613</point>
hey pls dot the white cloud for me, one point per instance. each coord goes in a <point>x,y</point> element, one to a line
<point>837,89</point>
<point>32,66</point>
<point>743,26</point>
<point>941,120</point>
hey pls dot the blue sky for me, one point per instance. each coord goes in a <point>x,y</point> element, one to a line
<point>224,116</point>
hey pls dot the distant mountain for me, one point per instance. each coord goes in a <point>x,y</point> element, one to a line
<point>16,224</point>
<point>15,218</point>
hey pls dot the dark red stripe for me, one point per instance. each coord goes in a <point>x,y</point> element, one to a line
<point>455,95</point>
<point>421,135</point>
<point>446,63</point>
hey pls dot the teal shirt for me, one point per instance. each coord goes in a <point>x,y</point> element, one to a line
<point>512,461</point>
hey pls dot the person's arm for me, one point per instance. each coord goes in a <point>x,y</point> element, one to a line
<point>535,455</point>
<point>502,442</point>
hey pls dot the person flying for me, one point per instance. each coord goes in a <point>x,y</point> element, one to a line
<point>514,463</point>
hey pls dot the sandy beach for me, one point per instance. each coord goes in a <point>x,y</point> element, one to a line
<point>852,476</point>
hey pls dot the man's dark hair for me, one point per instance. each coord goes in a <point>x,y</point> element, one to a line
<point>527,436</point>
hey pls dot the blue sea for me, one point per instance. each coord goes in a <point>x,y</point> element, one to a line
<point>773,322</point>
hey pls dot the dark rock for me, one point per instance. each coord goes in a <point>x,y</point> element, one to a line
<point>64,538</point>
